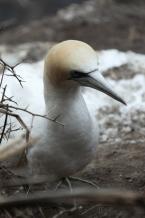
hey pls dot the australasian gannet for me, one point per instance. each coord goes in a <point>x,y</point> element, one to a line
<point>65,149</point>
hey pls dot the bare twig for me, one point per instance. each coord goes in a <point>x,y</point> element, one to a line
<point>72,209</point>
<point>22,123</point>
<point>4,108</point>
<point>3,94</point>
<point>64,211</point>
<point>84,196</point>
<point>83,181</point>
<point>8,110</point>
<point>4,126</point>
<point>2,77</point>
<point>11,69</point>
<point>36,115</point>
<point>9,99</point>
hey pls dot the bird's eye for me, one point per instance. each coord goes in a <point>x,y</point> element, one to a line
<point>77,74</point>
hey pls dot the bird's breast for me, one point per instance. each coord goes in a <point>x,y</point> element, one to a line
<point>68,144</point>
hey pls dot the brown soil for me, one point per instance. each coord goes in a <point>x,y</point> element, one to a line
<point>117,165</point>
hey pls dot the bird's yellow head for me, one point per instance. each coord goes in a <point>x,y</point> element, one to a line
<point>67,57</point>
<point>74,62</point>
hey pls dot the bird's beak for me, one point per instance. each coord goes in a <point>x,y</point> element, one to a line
<point>97,81</point>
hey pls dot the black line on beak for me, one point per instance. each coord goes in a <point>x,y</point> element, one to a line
<point>92,71</point>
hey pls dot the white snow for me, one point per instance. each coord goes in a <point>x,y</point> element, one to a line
<point>112,116</point>
<point>111,58</point>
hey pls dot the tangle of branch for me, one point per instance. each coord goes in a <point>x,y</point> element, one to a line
<point>9,110</point>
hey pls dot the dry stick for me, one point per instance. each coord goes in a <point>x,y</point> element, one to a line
<point>10,129</point>
<point>36,115</point>
<point>19,119</point>
<point>2,77</point>
<point>84,196</point>
<point>7,111</point>
<point>3,94</point>
<point>31,113</point>
<point>9,99</point>
<point>73,208</point>
<point>11,69</point>
<point>4,126</point>
<point>3,134</point>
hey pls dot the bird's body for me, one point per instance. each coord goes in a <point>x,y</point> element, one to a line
<point>68,147</point>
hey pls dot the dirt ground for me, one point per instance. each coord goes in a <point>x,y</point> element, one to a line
<point>103,25</point>
<point>117,165</point>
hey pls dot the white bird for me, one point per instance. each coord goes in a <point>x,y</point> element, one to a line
<point>66,149</point>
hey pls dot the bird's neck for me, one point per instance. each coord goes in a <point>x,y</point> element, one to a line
<point>60,101</point>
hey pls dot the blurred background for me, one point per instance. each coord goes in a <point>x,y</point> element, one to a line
<point>102,23</point>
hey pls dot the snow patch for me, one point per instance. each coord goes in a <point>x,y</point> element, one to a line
<point>114,118</point>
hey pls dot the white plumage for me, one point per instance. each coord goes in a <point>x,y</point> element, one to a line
<point>65,149</point>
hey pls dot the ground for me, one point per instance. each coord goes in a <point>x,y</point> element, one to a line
<point>119,160</point>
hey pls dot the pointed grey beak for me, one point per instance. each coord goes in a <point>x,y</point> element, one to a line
<point>95,80</point>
